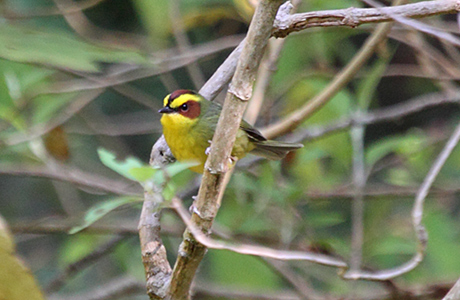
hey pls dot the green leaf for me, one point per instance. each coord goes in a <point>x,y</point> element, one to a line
<point>134,169</point>
<point>121,167</point>
<point>405,145</point>
<point>142,174</point>
<point>58,49</point>
<point>100,210</point>
<point>172,170</point>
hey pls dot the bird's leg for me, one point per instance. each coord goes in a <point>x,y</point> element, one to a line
<point>192,209</point>
<point>208,150</point>
<point>232,159</point>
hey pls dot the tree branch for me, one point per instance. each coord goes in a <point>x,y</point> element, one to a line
<point>417,214</point>
<point>353,17</point>
<point>75,176</point>
<point>206,206</point>
<point>247,249</point>
<point>346,75</point>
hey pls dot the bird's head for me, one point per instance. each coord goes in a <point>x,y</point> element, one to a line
<point>182,106</point>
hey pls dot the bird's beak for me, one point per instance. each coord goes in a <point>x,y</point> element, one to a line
<point>166,110</point>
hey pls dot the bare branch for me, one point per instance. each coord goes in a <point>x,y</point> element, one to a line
<point>381,115</point>
<point>419,26</point>
<point>183,43</point>
<point>119,287</point>
<point>105,226</point>
<point>75,176</point>
<point>73,108</point>
<point>353,17</point>
<point>417,214</point>
<point>346,75</point>
<point>252,249</point>
<point>207,203</point>
<point>51,11</point>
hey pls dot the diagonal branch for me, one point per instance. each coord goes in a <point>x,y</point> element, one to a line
<point>207,204</point>
<point>247,249</point>
<point>353,17</point>
<point>346,75</point>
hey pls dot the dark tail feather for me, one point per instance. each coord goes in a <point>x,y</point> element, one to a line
<point>274,150</point>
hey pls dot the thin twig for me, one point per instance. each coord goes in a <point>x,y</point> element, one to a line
<point>72,269</point>
<point>253,249</point>
<point>417,214</point>
<point>346,75</point>
<point>116,288</point>
<point>353,17</point>
<point>359,182</point>
<point>160,63</point>
<point>110,226</point>
<point>183,43</point>
<point>266,70</point>
<point>76,105</point>
<point>51,11</point>
<point>419,26</point>
<point>303,289</point>
<point>74,176</point>
<point>394,112</point>
<point>78,21</point>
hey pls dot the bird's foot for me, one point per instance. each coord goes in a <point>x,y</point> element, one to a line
<point>208,150</point>
<point>192,209</point>
<point>232,160</point>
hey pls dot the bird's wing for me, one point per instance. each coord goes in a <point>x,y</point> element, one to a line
<point>252,133</point>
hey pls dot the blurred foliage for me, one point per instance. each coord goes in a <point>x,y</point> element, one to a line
<point>16,281</point>
<point>70,88</point>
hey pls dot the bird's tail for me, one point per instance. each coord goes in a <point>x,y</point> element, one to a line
<point>273,150</point>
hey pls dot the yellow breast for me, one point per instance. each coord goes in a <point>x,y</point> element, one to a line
<point>184,144</point>
<point>187,144</point>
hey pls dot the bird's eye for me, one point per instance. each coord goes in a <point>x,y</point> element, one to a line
<point>184,107</point>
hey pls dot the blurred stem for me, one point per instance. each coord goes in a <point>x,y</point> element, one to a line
<point>87,261</point>
<point>265,73</point>
<point>428,65</point>
<point>359,172</point>
<point>183,43</point>
<point>69,8</point>
<point>353,17</point>
<point>78,21</point>
<point>344,77</point>
<point>359,182</point>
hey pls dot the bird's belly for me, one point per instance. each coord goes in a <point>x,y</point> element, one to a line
<point>186,147</point>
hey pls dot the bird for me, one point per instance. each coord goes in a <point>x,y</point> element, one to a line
<point>189,122</point>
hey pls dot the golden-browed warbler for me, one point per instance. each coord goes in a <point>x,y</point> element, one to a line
<point>189,122</point>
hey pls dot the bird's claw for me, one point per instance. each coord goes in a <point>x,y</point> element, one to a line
<point>208,150</point>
